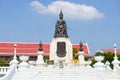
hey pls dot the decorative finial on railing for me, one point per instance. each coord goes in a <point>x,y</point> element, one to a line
<point>115,62</point>
<point>115,46</point>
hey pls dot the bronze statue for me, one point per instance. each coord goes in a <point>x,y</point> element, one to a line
<point>81,46</point>
<point>40,46</point>
<point>61,30</point>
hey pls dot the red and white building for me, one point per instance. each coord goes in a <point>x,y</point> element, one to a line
<point>110,50</point>
<point>30,49</point>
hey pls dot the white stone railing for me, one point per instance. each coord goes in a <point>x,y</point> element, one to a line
<point>4,70</point>
<point>118,69</point>
<point>9,74</point>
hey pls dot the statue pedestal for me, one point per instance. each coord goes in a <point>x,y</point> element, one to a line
<point>40,60</point>
<point>68,49</point>
<point>81,59</point>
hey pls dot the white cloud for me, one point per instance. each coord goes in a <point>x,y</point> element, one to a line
<point>70,10</point>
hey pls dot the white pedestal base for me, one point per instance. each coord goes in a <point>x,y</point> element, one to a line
<point>53,50</point>
<point>81,59</point>
<point>40,60</point>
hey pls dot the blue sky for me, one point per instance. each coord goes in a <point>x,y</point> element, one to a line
<point>96,22</point>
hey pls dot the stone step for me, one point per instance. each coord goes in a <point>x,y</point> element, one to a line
<point>64,74</point>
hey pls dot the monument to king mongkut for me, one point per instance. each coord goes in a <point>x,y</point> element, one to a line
<point>61,47</point>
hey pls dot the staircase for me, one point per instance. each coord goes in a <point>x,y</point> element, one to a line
<point>78,73</point>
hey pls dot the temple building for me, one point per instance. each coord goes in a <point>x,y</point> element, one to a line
<point>109,50</point>
<point>30,49</point>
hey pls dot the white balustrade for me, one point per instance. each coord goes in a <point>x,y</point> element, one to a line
<point>4,70</point>
<point>32,63</point>
<point>9,73</point>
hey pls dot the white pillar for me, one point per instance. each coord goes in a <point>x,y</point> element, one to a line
<point>115,61</point>
<point>14,61</point>
<point>40,60</point>
<point>81,58</point>
<point>115,46</point>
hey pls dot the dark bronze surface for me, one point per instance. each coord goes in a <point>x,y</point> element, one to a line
<point>60,28</point>
<point>61,49</point>
<point>40,46</point>
<point>81,46</point>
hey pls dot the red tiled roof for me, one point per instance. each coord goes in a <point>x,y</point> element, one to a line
<point>7,48</point>
<point>111,50</point>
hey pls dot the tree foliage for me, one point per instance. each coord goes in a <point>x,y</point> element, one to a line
<point>93,62</point>
<point>86,58</point>
<point>45,58</point>
<point>2,62</point>
<point>75,52</point>
<point>99,54</point>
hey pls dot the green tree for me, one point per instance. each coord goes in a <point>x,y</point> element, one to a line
<point>118,57</point>
<point>75,53</point>
<point>108,57</point>
<point>93,62</point>
<point>45,58</point>
<point>2,62</point>
<point>99,54</point>
<point>86,58</point>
